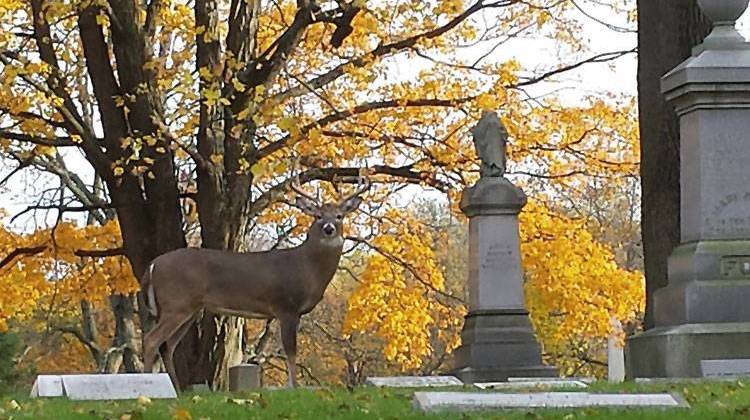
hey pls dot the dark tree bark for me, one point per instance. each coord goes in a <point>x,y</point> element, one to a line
<point>667,31</point>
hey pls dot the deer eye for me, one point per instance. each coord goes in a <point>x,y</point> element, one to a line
<point>339,217</point>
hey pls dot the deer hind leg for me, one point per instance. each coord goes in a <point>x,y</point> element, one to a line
<point>171,344</point>
<point>165,328</point>
<point>288,326</point>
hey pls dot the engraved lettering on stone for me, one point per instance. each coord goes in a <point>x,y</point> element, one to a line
<point>497,256</point>
<point>735,266</point>
<point>728,217</point>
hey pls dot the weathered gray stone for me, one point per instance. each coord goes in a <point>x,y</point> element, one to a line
<point>47,386</point>
<point>245,376</point>
<point>490,139</point>
<point>499,345</point>
<point>544,383</point>
<point>677,351</point>
<point>463,401</point>
<point>725,368</point>
<point>703,312</point>
<point>497,338</point>
<point>118,386</point>
<point>413,381</point>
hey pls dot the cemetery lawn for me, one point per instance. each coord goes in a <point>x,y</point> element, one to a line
<point>714,400</point>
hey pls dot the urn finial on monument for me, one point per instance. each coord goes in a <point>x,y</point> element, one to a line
<point>723,14</point>
<point>497,339</point>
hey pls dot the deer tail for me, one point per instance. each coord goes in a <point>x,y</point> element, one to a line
<point>148,290</point>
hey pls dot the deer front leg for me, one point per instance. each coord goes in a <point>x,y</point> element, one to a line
<point>288,326</point>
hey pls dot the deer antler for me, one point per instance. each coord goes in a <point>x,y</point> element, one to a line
<point>298,189</point>
<point>363,183</point>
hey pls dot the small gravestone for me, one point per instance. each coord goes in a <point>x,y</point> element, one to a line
<point>413,381</point>
<point>105,387</point>
<point>615,353</point>
<point>558,383</point>
<point>463,401</point>
<point>720,368</point>
<point>47,386</point>
<point>244,377</point>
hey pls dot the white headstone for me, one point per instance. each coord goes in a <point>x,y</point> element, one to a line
<point>558,383</point>
<point>462,401</point>
<point>47,386</point>
<point>413,381</point>
<point>615,354</point>
<point>584,379</point>
<point>719,368</point>
<point>105,386</point>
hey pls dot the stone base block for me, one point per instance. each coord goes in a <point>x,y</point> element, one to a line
<point>244,377</point>
<point>471,375</point>
<point>709,282</point>
<point>696,302</point>
<point>677,351</point>
<point>498,345</point>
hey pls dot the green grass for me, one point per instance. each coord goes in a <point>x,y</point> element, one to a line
<point>708,400</point>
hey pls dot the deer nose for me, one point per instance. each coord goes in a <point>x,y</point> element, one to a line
<point>329,229</point>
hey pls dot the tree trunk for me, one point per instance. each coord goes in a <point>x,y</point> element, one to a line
<point>123,309</point>
<point>667,31</point>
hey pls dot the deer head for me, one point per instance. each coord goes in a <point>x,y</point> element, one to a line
<point>327,226</point>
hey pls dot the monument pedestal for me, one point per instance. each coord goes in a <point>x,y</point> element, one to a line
<point>677,351</point>
<point>704,311</point>
<point>498,345</point>
<point>497,339</point>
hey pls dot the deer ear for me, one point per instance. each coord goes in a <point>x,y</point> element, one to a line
<point>307,206</point>
<point>350,205</point>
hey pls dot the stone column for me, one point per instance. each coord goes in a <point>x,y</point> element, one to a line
<point>497,339</point>
<point>704,311</point>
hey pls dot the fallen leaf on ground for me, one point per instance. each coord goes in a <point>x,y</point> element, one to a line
<point>181,414</point>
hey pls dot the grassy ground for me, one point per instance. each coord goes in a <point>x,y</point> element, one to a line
<point>716,400</point>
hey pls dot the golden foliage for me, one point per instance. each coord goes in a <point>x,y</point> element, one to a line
<point>374,111</point>
<point>56,280</point>
<point>573,285</point>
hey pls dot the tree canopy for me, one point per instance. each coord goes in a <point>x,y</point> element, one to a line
<point>183,122</point>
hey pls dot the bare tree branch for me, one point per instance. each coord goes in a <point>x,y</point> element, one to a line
<point>360,109</point>
<point>21,251</point>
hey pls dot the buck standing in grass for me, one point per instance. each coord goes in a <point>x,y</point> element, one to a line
<point>283,284</point>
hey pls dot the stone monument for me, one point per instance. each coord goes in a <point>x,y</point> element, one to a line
<point>497,339</point>
<point>704,311</point>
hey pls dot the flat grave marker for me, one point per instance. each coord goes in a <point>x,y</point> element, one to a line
<point>465,401</point>
<point>559,383</point>
<point>104,386</point>
<point>725,368</point>
<point>584,379</point>
<point>413,381</point>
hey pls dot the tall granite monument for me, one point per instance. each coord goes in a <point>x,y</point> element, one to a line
<point>497,338</point>
<point>703,314</point>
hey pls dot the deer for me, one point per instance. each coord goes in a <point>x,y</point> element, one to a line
<point>282,284</point>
